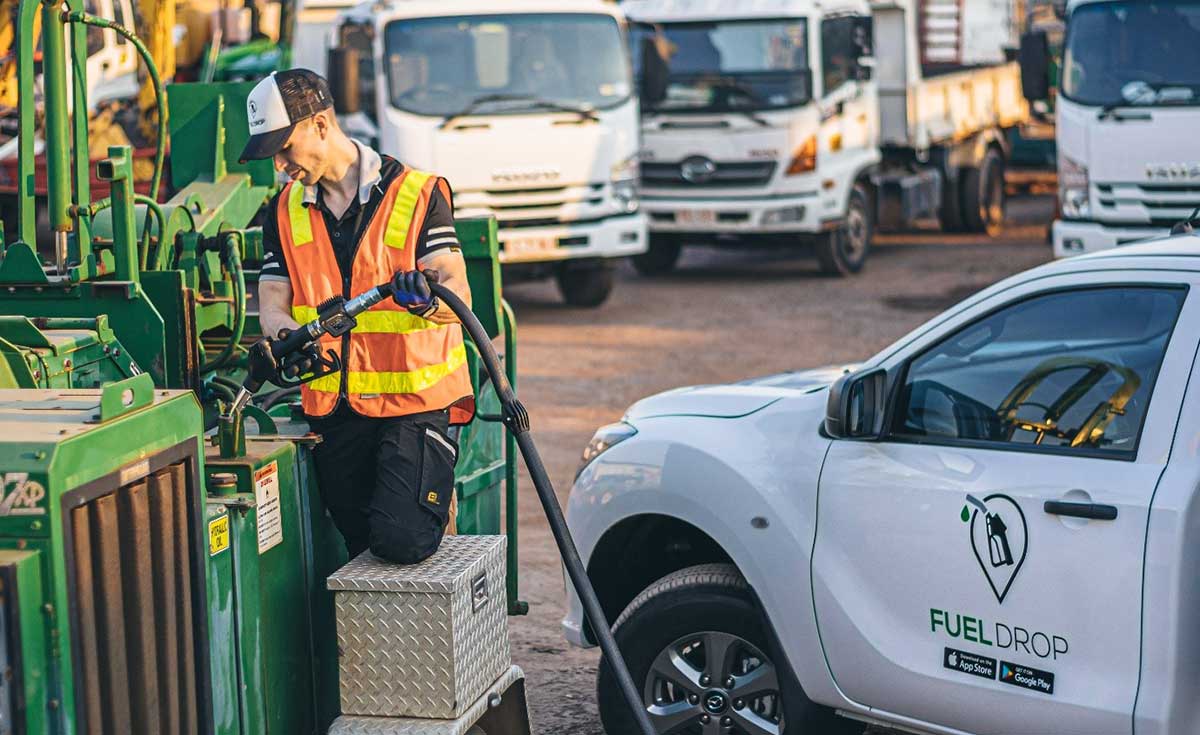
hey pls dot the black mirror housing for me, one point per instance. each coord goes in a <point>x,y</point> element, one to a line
<point>653,83</point>
<point>1034,56</point>
<point>342,65</point>
<point>857,405</point>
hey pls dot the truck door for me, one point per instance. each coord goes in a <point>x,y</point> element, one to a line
<point>955,578</point>
<point>847,139</point>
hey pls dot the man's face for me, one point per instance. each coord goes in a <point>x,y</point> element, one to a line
<point>302,158</point>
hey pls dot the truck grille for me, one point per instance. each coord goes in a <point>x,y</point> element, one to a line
<point>132,577</point>
<point>726,175</point>
<point>1159,205</point>
<point>540,207</point>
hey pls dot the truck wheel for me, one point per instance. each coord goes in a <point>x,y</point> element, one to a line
<point>984,197</point>
<point>587,285</point>
<point>950,214</point>
<point>694,642</point>
<point>660,258</point>
<point>844,251</point>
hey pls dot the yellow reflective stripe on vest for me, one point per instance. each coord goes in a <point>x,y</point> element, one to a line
<point>298,216</point>
<point>400,220</point>
<point>412,381</point>
<point>376,322</point>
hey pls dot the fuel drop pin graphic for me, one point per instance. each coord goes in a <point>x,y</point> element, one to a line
<point>999,538</point>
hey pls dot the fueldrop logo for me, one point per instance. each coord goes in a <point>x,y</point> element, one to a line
<point>999,538</point>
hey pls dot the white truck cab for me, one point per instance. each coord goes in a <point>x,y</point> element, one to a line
<point>990,527</point>
<point>815,122</point>
<point>527,108</point>
<point>1127,111</point>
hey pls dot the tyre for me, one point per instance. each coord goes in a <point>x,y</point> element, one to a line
<point>660,258</point>
<point>585,285</point>
<point>983,195</point>
<point>695,645</point>
<point>844,251</point>
<point>950,214</point>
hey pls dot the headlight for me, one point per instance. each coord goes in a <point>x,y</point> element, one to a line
<point>626,195</point>
<point>605,438</point>
<point>1073,186</point>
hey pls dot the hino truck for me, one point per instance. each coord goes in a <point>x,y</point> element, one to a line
<point>1127,109</point>
<point>816,123</point>
<point>988,528</point>
<point>526,107</point>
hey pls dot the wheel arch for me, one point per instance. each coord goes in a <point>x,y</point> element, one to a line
<point>639,550</point>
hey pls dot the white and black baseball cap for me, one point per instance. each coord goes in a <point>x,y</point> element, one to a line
<point>277,104</point>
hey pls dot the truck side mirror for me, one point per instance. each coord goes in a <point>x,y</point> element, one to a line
<point>856,406</point>
<point>342,64</point>
<point>1034,57</point>
<point>652,85</point>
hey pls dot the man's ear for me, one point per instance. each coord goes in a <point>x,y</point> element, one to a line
<point>323,123</point>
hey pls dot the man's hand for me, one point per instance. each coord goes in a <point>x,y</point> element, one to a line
<point>298,363</point>
<point>410,289</point>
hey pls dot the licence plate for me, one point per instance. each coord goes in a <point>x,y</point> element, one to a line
<point>696,217</point>
<point>528,247</point>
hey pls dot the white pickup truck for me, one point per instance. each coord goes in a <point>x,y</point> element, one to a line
<point>989,527</point>
<point>798,122</point>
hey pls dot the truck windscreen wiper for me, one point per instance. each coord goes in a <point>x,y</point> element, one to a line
<point>478,102</point>
<point>586,113</point>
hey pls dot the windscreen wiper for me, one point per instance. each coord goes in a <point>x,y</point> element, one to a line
<point>478,102</point>
<point>584,112</point>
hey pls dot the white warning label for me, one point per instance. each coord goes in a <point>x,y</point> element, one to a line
<point>270,515</point>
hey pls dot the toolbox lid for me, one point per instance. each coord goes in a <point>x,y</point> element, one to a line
<point>449,569</point>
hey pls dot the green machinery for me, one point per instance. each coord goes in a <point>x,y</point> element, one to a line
<point>158,575</point>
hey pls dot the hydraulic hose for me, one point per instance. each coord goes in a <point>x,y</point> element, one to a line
<point>154,208</point>
<point>516,418</point>
<point>160,102</point>
<point>233,261</point>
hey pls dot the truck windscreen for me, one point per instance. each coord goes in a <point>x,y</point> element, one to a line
<point>506,64</point>
<point>1133,53</point>
<point>722,66</point>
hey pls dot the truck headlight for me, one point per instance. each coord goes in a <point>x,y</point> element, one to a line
<point>605,438</point>
<point>1073,189</point>
<point>626,195</point>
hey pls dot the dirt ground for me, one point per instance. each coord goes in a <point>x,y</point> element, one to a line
<point>723,315</point>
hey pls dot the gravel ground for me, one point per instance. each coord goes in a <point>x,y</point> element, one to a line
<point>723,315</point>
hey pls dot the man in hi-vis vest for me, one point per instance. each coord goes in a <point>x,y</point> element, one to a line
<point>349,220</point>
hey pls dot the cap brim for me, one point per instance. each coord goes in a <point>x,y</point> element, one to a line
<point>265,145</point>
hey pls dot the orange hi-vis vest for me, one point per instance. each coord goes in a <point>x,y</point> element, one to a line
<point>395,363</point>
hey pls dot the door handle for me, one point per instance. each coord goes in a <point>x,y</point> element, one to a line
<point>1090,511</point>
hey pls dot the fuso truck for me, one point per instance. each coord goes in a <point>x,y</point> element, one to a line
<point>796,122</point>
<point>990,527</point>
<point>527,107</point>
<point>1127,110</point>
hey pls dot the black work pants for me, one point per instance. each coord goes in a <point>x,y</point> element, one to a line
<point>387,482</point>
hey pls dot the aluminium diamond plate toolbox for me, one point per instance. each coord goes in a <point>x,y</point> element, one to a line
<point>422,641</point>
<point>501,710</point>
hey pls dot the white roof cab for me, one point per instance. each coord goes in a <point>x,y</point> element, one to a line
<point>989,527</point>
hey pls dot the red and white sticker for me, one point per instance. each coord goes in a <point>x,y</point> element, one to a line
<point>270,514</point>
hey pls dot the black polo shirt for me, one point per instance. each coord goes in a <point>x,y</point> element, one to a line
<point>346,231</point>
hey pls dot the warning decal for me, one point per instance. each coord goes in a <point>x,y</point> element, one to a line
<point>218,535</point>
<point>270,515</point>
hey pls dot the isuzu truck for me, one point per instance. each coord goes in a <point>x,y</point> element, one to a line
<point>526,107</point>
<point>990,527</point>
<point>797,122</point>
<point>1127,111</point>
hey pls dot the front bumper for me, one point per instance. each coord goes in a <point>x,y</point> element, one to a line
<point>613,237</point>
<point>1080,237</point>
<point>753,215</point>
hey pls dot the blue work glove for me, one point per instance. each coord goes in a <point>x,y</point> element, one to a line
<point>410,289</point>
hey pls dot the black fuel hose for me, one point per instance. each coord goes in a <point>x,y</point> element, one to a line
<point>516,418</point>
